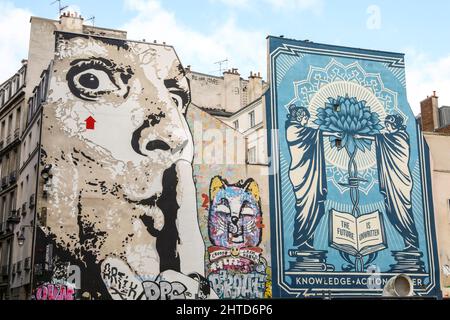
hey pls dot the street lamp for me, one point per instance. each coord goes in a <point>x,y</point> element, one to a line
<point>21,237</point>
<point>45,173</point>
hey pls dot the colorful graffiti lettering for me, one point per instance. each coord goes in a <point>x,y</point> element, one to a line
<point>164,290</point>
<point>55,292</point>
<point>239,286</point>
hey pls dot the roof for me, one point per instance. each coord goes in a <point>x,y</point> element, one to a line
<point>217,112</point>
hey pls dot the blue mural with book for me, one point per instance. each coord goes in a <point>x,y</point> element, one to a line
<point>350,177</point>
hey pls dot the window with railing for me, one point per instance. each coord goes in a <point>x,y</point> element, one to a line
<point>18,114</point>
<point>39,96</point>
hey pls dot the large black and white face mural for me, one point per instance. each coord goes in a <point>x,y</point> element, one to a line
<point>120,200</point>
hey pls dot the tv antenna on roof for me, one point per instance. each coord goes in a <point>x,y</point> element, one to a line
<point>220,63</point>
<point>92,19</point>
<point>61,8</point>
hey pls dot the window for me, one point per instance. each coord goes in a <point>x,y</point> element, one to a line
<point>3,208</point>
<point>252,155</point>
<point>12,203</point>
<point>449,209</point>
<point>6,92</point>
<point>18,118</point>
<point>3,129</point>
<point>24,150</point>
<point>29,144</point>
<point>251,117</point>
<point>338,143</point>
<point>236,124</point>
<point>10,123</point>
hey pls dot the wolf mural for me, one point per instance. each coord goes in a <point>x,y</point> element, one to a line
<point>121,197</point>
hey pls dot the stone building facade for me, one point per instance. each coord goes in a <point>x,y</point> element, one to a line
<point>12,113</point>
<point>436,129</point>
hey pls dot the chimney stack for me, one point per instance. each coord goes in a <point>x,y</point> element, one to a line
<point>430,113</point>
<point>72,22</point>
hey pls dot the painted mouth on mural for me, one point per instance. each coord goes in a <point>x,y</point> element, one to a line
<point>157,145</point>
<point>235,234</point>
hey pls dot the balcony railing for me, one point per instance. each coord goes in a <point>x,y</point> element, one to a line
<point>4,182</point>
<point>5,271</point>
<point>31,201</point>
<point>5,228</point>
<point>13,217</point>
<point>13,177</point>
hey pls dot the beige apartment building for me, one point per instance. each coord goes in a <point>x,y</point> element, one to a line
<point>21,99</point>
<point>12,110</point>
<point>239,103</point>
<point>436,128</point>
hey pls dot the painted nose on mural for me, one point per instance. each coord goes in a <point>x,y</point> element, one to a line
<point>141,141</point>
<point>151,136</point>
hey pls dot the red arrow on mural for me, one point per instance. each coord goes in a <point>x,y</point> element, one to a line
<point>90,123</point>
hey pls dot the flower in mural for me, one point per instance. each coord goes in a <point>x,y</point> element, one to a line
<point>350,117</point>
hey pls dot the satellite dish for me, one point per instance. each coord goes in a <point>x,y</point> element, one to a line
<point>400,286</point>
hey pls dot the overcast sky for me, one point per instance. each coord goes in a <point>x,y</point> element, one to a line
<point>207,31</point>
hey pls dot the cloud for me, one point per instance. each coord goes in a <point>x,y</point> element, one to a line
<point>315,5</point>
<point>14,37</point>
<point>425,75</point>
<point>234,3</point>
<point>245,49</point>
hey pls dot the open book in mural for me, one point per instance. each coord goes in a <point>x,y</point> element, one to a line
<point>357,236</point>
<point>352,185</point>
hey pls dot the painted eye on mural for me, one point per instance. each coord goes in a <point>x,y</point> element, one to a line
<point>247,211</point>
<point>179,95</point>
<point>91,79</point>
<point>223,209</point>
